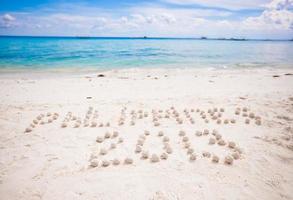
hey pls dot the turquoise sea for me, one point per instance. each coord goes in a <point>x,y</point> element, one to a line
<point>18,53</point>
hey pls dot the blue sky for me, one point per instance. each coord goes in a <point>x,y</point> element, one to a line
<point>154,18</point>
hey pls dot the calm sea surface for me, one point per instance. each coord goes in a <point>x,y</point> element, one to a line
<point>114,53</point>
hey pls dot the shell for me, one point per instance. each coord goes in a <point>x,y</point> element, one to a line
<point>215,159</point>
<point>107,135</point>
<point>190,151</point>
<point>128,161</point>
<point>160,133</point>
<point>182,133</point>
<point>94,163</point>
<point>166,139</point>
<point>228,160</point>
<point>113,146</point>
<point>212,141</point>
<point>105,163</point>
<point>164,156</point>
<point>221,142</point>
<point>169,150</point>
<point>192,157</point>
<point>232,145</point>
<point>116,161</point>
<point>198,133</point>
<point>103,151</point>
<point>206,154</point>
<point>144,155</point>
<point>138,149</point>
<point>99,139</point>
<point>155,158</point>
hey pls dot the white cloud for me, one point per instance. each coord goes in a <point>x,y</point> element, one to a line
<point>278,15</point>
<point>228,4</point>
<point>280,5</point>
<point>7,21</point>
<point>7,17</point>
<point>155,20</point>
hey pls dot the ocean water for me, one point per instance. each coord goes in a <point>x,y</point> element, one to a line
<point>20,53</point>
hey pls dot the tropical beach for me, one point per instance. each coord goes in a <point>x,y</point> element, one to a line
<point>76,146</point>
<point>153,116</point>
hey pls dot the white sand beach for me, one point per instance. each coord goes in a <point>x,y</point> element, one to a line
<point>179,134</point>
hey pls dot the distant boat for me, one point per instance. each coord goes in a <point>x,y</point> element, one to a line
<point>203,38</point>
<point>237,39</point>
<point>221,39</point>
<point>145,37</point>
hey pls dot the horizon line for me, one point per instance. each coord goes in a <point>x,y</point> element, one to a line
<point>146,37</point>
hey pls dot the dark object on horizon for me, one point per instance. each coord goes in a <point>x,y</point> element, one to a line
<point>145,37</point>
<point>221,39</point>
<point>276,76</point>
<point>203,38</point>
<point>288,74</point>
<point>233,39</point>
<point>237,39</point>
<point>101,75</point>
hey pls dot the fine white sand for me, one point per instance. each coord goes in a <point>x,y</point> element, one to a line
<point>140,134</point>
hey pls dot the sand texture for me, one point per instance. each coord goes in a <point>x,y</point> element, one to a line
<point>147,134</point>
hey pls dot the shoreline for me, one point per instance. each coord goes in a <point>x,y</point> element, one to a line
<point>13,73</point>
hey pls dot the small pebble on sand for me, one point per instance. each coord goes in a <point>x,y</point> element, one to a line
<point>27,130</point>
